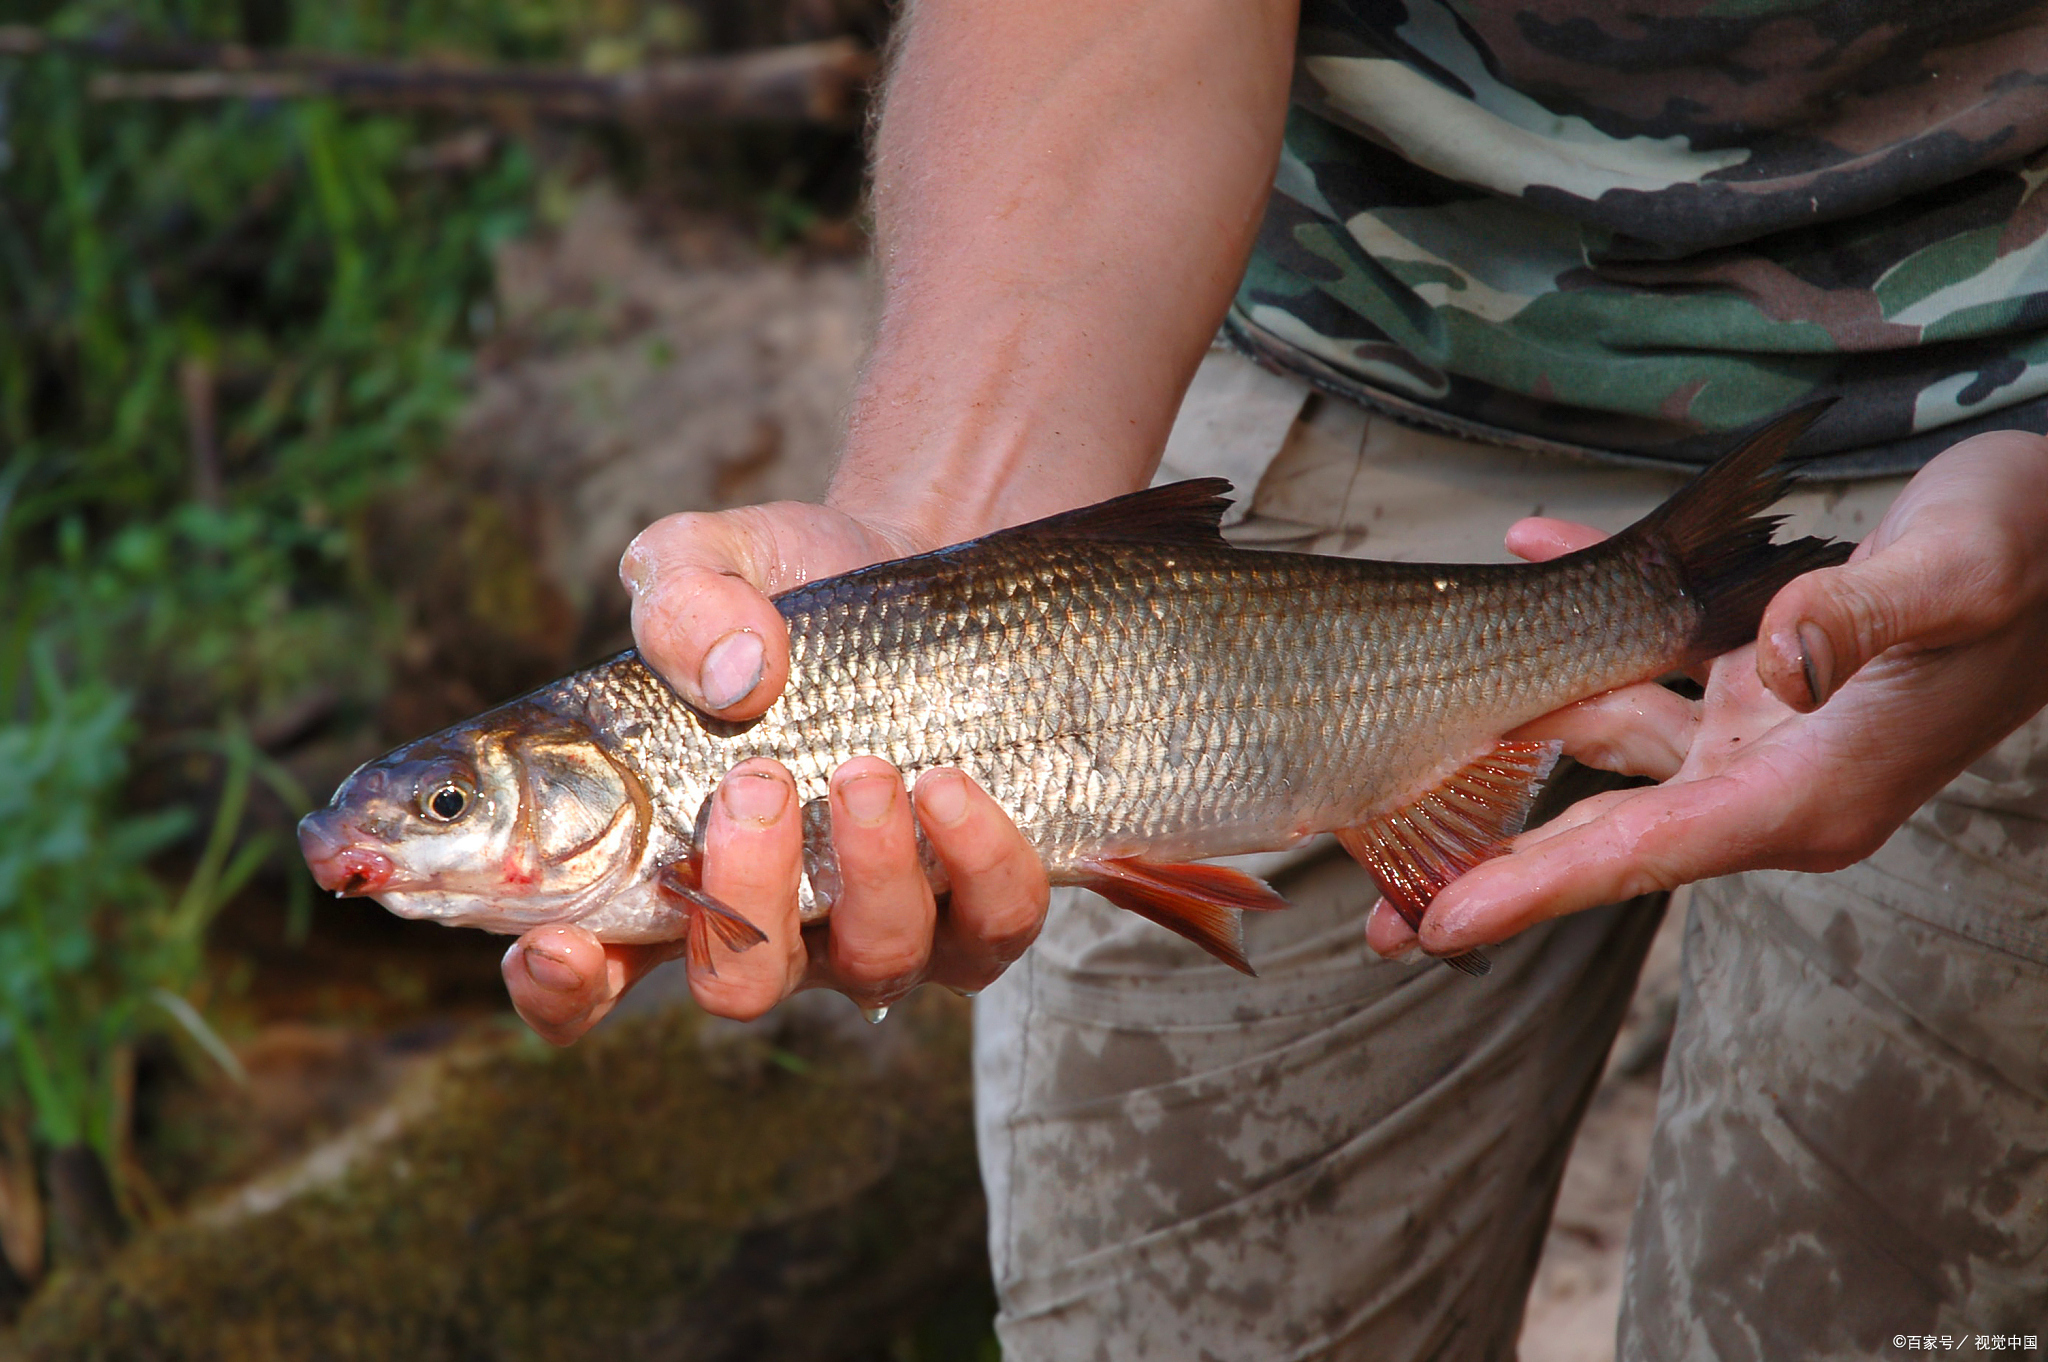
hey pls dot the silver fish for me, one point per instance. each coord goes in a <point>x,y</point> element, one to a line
<point>1136,693</point>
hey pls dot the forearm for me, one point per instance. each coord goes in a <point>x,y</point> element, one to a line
<point>1065,196</point>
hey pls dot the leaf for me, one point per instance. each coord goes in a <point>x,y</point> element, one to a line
<point>204,1036</point>
<point>58,1120</point>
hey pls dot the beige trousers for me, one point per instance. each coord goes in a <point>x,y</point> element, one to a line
<point>1346,1158</point>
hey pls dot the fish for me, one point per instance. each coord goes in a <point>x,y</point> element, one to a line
<point>1137,694</point>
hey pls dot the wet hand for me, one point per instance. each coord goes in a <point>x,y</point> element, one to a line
<point>702,617</point>
<point>1872,685</point>
<point>701,584</point>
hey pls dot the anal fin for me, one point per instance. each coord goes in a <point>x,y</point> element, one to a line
<point>677,883</point>
<point>1203,903</point>
<point>1414,852</point>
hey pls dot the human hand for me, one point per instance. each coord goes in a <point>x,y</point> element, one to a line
<point>702,618</point>
<point>1872,685</point>
<point>988,381</point>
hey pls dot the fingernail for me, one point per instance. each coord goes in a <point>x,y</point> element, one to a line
<point>551,972</point>
<point>942,798</point>
<point>869,798</point>
<point>634,569</point>
<point>731,669</point>
<point>1817,660</point>
<point>751,796</point>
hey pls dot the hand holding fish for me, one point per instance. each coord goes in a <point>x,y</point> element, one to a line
<point>1136,694</point>
<point>702,617</point>
<point>1875,683</point>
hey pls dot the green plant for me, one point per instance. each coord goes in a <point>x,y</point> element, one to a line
<point>224,334</point>
<point>228,333</point>
<point>94,949</point>
<point>72,878</point>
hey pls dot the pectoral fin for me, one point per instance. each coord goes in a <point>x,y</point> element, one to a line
<point>1203,903</point>
<point>1415,851</point>
<point>677,883</point>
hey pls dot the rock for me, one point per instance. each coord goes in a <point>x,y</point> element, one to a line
<point>665,1189</point>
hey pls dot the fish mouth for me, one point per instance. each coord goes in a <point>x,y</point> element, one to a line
<point>340,864</point>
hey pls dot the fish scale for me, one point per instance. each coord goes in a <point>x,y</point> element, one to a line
<point>1133,691</point>
<point>1277,690</point>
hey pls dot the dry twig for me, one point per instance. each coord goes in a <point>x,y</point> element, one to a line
<point>820,82</point>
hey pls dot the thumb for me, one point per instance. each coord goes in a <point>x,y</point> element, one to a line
<point>701,585</point>
<point>701,615</point>
<point>1824,627</point>
<point>1957,558</point>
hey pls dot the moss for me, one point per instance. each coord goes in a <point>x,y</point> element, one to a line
<point>643,1194</point>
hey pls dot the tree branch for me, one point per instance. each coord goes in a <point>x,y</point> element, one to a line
<point>819,82</point>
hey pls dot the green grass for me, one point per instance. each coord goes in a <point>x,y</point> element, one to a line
<point>224,333</point>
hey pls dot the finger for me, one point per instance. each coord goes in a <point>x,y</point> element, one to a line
<point>700,585</point>
<point>1576,815</point>
<point>1824,627</point>
<point>1540,538</point>
<point>882,920</point>
<point>1390,936</point>
<point>999,886</point>
<point>753,854</point>
<point>701,614</point>
<point>1387,934</point>
<point>561,981</point>
<point>1641,730</point>
<point>1634,842</point>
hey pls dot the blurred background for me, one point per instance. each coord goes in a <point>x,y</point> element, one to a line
<point>345,345</point>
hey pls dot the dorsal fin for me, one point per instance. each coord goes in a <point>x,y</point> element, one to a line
<point>1189,513</point>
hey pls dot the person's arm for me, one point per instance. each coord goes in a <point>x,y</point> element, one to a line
<point>1065,197</point>
<point>1065,194</point>
<point>1872,685</point>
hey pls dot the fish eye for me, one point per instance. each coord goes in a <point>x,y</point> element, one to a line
<point>446,802</point>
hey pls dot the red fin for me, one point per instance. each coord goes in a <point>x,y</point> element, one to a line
<point>1471,817</point>
<point>1188,512</point>
<point>1200,902</point>
<point>708,917</point>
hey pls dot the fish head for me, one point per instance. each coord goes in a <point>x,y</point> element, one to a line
<point>518,818</point>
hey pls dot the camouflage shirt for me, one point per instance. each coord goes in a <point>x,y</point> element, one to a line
<point>1629,228</point>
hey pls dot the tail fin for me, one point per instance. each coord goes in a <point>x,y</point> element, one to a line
<point>1713,532</point>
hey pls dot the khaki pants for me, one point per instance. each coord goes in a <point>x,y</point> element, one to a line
<point>1353,1159</point>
